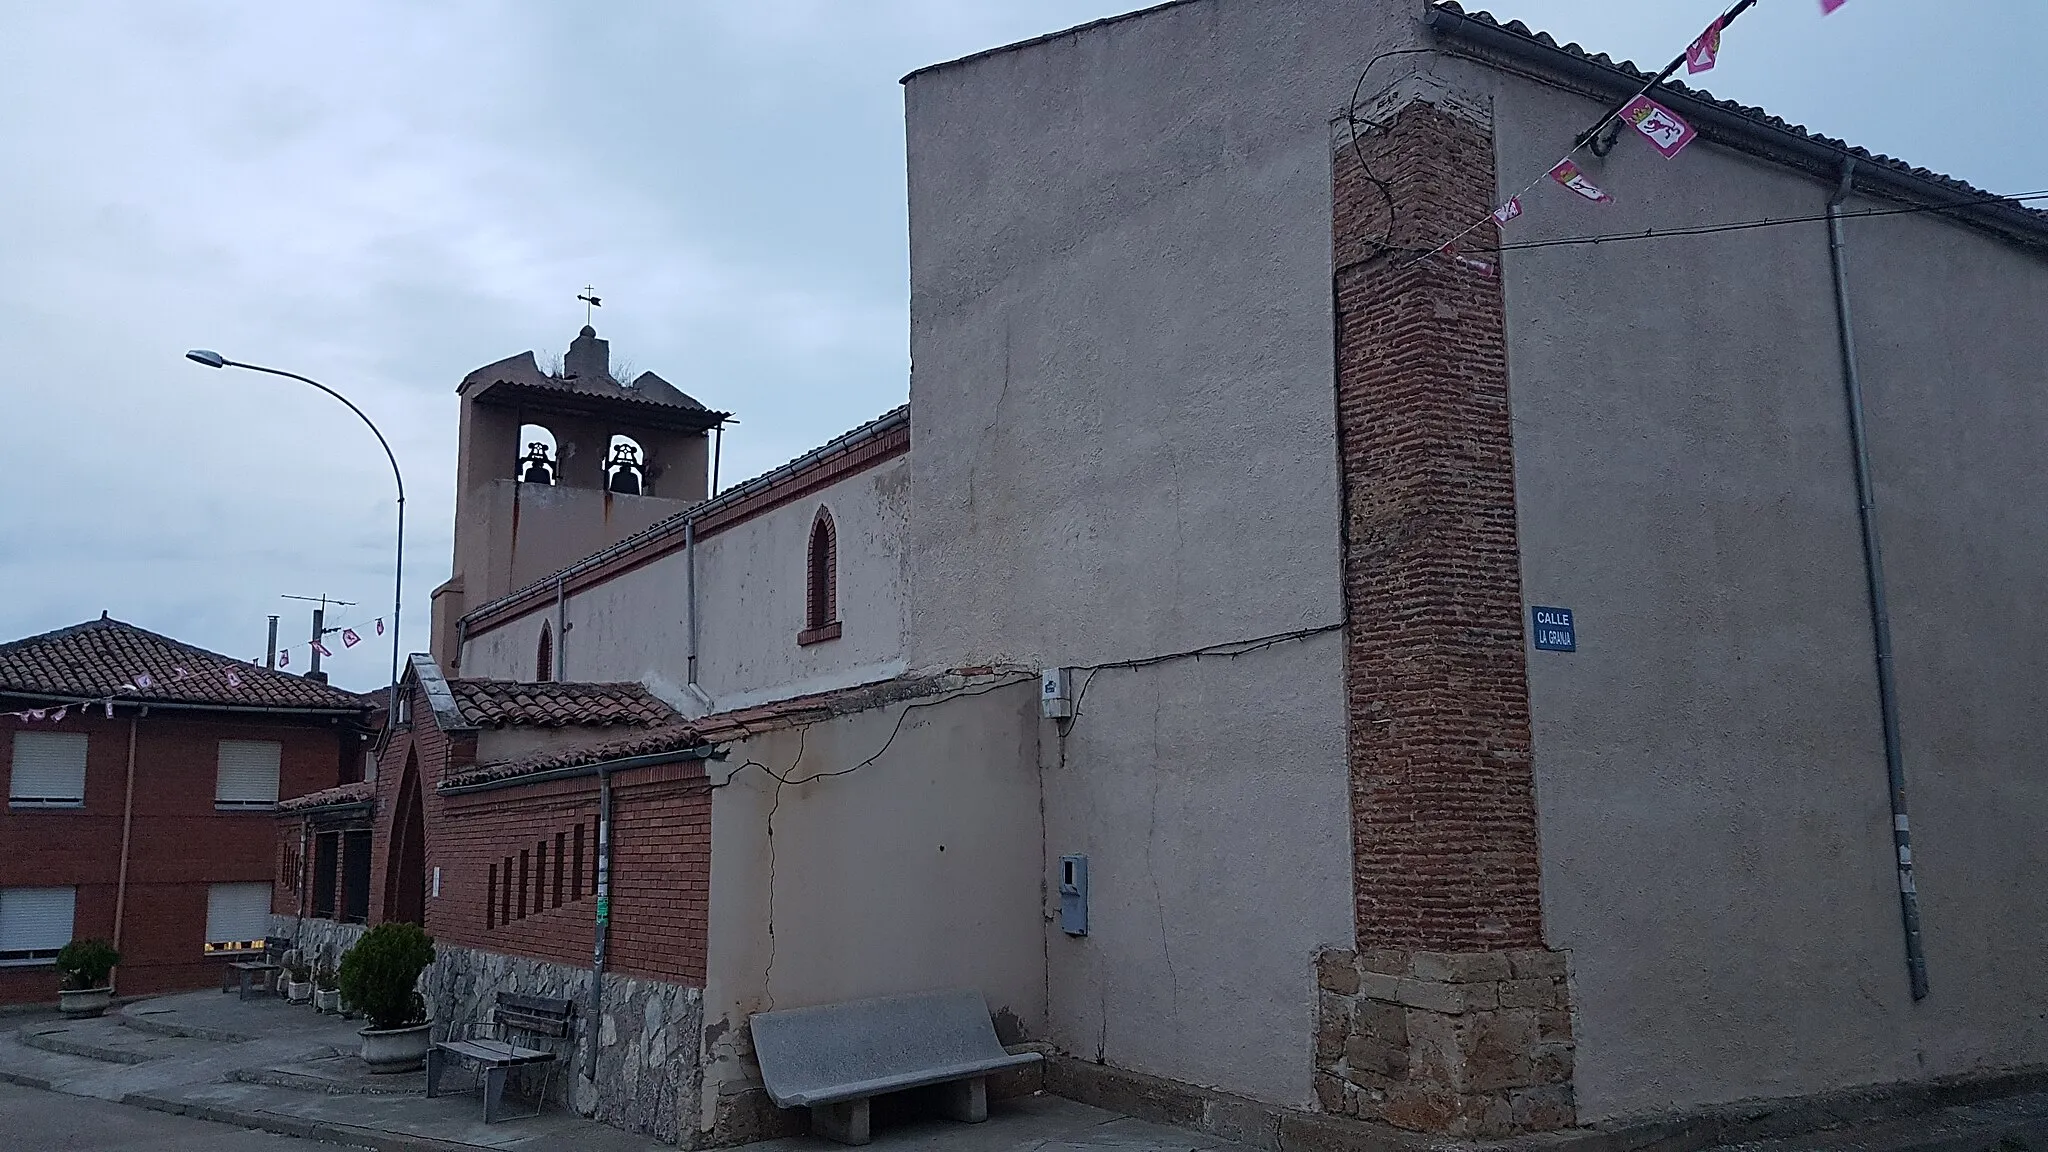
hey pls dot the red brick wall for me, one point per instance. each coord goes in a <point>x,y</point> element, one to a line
<point>1444,819</point>
<point>178,843</point>
<point>660,873</point>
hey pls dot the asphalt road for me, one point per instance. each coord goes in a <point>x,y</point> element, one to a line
<point>35,1121</point>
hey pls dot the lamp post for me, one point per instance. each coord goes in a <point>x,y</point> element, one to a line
<point>216,360</point>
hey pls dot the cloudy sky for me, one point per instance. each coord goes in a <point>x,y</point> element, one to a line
<point>384,195</point>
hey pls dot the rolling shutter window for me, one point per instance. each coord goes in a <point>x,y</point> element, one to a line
<point>34,923</point>
<point>49,770</point>
<point>237,917</point>
<point>248,774</point>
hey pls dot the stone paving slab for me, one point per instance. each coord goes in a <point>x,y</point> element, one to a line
<point>2014,1124</point>
<point>106,1040</point>
<point>344,1075</point>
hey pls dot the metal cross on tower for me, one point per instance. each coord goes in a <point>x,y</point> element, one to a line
<point>590,301</point>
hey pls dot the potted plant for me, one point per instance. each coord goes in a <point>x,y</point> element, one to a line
<point>326,993</point>
<point>378,976</point>
<point>83,969</point>
<point>300,988</point>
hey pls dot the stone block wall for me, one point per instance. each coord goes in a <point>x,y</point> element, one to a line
<point>1475,1044</point>
<point>647,1077</point>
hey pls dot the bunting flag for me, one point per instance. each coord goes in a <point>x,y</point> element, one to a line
<point>1702,54</point>
<point>284,658</point>
<point>1568,174</point>
<point>143,683</point>
<point>180,674</point>
<point>1663,128</point>
<point>59,717</point>
<point>1508,211</point>
<point>349,639</point>
<point>380,625</point>
<point>234,681</point>
<point>1827,7</point>
<point>321,648</point>
<point>33,714</point>
<point>110,708</point>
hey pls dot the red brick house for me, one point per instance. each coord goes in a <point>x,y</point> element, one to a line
<point>142,774</point>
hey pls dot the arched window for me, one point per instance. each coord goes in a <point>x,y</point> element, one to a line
<point>821,583</point>
<point>540,463</point>
<point>544,654</point>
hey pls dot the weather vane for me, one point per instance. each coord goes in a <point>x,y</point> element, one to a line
<point>590,300</point>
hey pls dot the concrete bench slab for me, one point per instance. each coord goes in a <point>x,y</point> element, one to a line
<point>834,1058</point>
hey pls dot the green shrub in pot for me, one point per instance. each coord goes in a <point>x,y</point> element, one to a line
<point>377,974</point>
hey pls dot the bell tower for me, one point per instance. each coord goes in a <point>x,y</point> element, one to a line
<point>554,467</point>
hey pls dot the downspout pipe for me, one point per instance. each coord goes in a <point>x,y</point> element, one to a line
<point>1873,571</point>
<point>602,933</point>
<point>127,829</point>
<point>690,578</point>
<point>561,669</point>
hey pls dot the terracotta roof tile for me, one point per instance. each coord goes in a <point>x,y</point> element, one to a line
<point>514,703</point>
<point>355,793</point>
<point>739,723</point>
<point>107,657</point>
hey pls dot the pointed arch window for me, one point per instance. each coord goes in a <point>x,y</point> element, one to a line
<point>821,582</point>
<point>544,654</point>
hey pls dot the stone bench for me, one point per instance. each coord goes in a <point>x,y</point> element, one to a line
<point>835,1058</point>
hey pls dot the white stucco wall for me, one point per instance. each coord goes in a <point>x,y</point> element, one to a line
<point>917,872</point>
<point>750,594</point>
<point>1124,418</point>
<point>1717,850</point>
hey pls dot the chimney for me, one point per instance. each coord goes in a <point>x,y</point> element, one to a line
<point>589,358</point>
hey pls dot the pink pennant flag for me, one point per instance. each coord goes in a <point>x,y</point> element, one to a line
<point>144,682</point>
<point>234,681</point>
<point>179,674</point>
<point>1508,211</point>
<point>33,714</point>
<point>1702,54</point>
<point>349,639</point>
<point>1568,174</point>
<point>1827,7</point>
<point>380,626</point>
<point>59,717</point>
<point>284,658</point>
<point>1663,128</point>
<point>321,648</point>
<point>110,709</point>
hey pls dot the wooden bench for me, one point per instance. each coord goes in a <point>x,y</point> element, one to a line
<point>834,1059</point>
<point>486,1048</point>
<point>266,966</point>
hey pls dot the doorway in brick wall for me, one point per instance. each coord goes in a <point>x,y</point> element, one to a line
<point>405,883</point>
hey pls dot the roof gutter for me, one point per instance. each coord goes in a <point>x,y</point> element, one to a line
<point>326,811</point>
<point>1820,159</point>
<point>136,702</point>
<point>600,768</point>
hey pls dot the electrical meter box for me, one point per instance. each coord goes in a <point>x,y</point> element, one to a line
<point>1074,895</point>
<point>1055,694</point>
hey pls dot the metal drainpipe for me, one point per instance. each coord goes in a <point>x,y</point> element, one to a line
<point>1880,613</point>
<point>561,633</point>
<point>127,827</point>
<point>604,919</point>
<point>690,578</point>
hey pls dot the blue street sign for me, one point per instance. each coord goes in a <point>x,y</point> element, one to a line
<point>1554,630</point>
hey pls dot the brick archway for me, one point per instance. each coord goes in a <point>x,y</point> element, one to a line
<point>405,872</point>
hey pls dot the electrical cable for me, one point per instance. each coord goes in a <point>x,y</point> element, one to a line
<point>1745,225</point>
<point>1351,116</point>
<point>1230,649</point>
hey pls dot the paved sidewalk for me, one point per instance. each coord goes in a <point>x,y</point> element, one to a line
<point>270,1066</point>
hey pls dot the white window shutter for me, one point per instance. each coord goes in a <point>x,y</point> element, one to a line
<point>237,913</point>
<point>248,773</point>
<point>35,922</point>
<point>49,768</point>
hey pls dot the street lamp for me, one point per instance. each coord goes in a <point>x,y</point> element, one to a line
<point>216,360</point>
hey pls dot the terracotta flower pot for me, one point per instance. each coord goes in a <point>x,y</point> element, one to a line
<point>395,1049</point>
<point>79,1003</point>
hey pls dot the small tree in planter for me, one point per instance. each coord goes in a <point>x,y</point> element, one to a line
<point>326,993</point>
<point>300,989</point>
<point>377,976</point>
<point>83,969</point>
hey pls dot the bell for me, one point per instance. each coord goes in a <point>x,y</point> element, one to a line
<point>539,469</point>
<point>624,467</point>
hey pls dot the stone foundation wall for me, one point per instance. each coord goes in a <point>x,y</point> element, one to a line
<point>1475,1044</point>
<point>647,1076</point>
<point>318,940</point>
